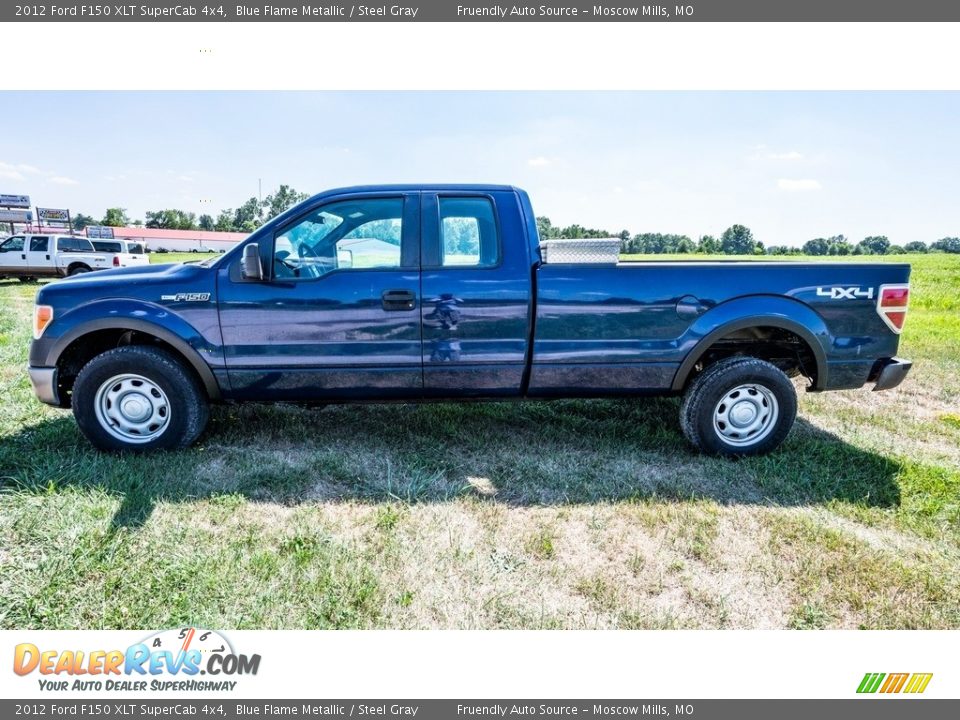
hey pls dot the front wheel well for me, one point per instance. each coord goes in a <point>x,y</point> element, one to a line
<point>86,347</point>
<point>780,347</point>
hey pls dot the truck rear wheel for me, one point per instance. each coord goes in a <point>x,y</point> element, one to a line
<point>739,406</point>
<point>77,269</point>
<point>139,398</point>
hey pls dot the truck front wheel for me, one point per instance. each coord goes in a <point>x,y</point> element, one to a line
<point>739,406</point>
<point>139,398</point>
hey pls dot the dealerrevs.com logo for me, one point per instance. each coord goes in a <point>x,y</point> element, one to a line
<point>184,659</point>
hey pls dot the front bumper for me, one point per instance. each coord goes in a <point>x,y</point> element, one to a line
<point>890,372</point>
<point>44,382</point>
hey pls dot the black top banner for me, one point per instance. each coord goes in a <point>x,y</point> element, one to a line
<point>478,11</point>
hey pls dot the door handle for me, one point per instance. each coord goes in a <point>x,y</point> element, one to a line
<point>398,300</point>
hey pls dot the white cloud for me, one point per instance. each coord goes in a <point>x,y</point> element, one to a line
<point>804,185</point>
<point>62,180</point>
<point>10,172</point>
<point>29,169</point>
<point>792,155</point>
<point>539,161</point>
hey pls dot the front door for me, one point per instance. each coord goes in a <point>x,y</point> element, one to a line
<point>13,256</point>
<point>338,316</point>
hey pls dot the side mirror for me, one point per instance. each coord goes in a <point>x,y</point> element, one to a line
<point>250,267</point>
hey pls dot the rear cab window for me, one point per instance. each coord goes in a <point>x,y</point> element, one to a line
<point>468,232</point>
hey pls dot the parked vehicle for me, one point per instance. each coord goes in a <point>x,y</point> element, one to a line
<point>123,253</point>
<point>418,292</point>
<point>28,256</point>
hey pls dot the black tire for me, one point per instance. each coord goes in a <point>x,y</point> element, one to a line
<point>184,400</point>
<point>28,279</point>
<point>769,394</point>
<point>77,270</point>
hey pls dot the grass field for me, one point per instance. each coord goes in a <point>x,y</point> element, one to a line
<point>571,514</point>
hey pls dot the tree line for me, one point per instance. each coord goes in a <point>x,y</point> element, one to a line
<point>739,240</point>
<point>735,240</point>
<point>245,218</point>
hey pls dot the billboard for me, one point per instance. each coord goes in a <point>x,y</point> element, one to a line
<point>15,201</point>
<point>16,216</point>
<point>53,215</point>
<point>102,232</point>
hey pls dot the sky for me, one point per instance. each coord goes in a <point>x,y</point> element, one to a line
<point>790,165</point>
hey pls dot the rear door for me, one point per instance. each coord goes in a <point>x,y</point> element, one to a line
<point>476,286</point>
<point>339,316</point>
<point>39,255</point>
<point>135,255</point>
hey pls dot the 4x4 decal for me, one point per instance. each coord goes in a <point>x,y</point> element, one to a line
<point>845,293</point>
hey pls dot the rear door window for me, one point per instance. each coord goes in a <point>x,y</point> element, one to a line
<point>39,244</point>
<point>468,232</point>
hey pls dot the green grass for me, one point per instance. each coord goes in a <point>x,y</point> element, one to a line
<point>170,257</point>
<point>571,514</point>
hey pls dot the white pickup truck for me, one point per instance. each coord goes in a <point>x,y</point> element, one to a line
<point>29,256</point>
<point>124,253</point>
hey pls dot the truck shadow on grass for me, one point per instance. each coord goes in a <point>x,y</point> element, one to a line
<point>519,454</point>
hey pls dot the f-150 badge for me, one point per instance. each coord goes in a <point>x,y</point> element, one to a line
<point>845,293</point>
<point>187,297</point>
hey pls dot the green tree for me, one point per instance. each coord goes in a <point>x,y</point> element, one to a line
<point>249,216</point>
<point>708,245</point>
<point>224,221</point>
<point>947,245</point>
<point>545,228</point>
<point>875,245</point>
<point>115,217</point>
<point>915,246</point>
<point>171,219</point>
<point>80,221</point>
<point>205,222</point>
<point>817,246</point>
<point>737,240</point>
<point>283,199</point>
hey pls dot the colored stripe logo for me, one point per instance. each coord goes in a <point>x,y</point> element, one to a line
<point>913,683</point>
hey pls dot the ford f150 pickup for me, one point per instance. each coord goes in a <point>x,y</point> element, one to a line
<point>32,256</point>
<point>440,292</point>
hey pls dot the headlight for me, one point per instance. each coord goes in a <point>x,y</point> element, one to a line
<point>42,316</point>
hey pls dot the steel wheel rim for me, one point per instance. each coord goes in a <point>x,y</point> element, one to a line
<point>132,408</point>
<point>746,414</point>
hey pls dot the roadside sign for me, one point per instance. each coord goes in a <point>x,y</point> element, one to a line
<point>15,201</point>
<point>53,215</point>
<point>103,232</point>
<point>16,216</point>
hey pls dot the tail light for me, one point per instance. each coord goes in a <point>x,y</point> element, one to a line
<point>892,301</point>
<point>116,261</point>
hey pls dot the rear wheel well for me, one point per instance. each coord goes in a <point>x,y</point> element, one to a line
<point>778,346</point>
<point>86,347</point>
<point>74,266</point>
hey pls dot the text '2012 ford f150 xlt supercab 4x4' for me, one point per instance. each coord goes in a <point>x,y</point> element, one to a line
<point>441,292</point>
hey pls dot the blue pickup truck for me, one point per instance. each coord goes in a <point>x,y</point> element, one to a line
<point>441,292</point>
